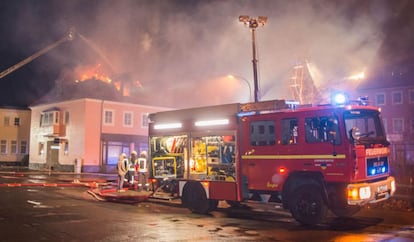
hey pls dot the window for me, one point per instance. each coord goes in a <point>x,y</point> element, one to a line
<point>7,121</point>
<point>3,146</point>
<point>411,95</point>
<point>17,121</point>
<point>46,119</point>
<point>145,120</point>
<point>262,133</point>
<point>23,147</point>
<point>56,116</point>
<point>13,147</point>
<point>66,117</point>
<point>397,125</point>
<point>380,99</point>
<point>108,119</point>
<point>289,131</point>
<point>66,148</point>
<point>384,121</point>
<point>322,129</point>
<point>397,97</point>
<point>128,119</point>
<point>41,148</point>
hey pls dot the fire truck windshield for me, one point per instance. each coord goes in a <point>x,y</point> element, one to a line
<point>364,127</point>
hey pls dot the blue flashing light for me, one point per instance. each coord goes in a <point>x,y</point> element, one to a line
<point>372,172</point>
<point>383,169</point>
<point>339,99</point>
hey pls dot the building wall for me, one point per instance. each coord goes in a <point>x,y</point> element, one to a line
<point>397,108</point>
<point>14,134</point>
<point>84,137</point>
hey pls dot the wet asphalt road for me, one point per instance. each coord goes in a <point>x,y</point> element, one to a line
<point>70,213</point>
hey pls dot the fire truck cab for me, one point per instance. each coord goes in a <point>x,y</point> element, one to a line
<point>308,158</point>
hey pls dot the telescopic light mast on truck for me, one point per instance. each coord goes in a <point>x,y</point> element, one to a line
<point>308,158</point>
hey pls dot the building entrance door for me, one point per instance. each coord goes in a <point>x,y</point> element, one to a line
<point>52,158</point>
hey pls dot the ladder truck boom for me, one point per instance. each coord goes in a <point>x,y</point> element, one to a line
<point>68,37</point>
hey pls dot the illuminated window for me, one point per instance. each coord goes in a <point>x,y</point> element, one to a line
<point>289,131</point>
<point>128,119</point>
<point>41,148</point>
<point>23,147</point>
<point>397,125</point>
<point>66,148</point>
<point>380,99</point>
<point>3,146</point>
<point>322,129</point>
<point>397,97</point>
<point>13,147</point>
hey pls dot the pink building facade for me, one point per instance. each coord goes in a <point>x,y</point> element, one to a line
<point>86,135</point>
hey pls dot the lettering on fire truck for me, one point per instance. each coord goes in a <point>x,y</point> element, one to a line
<point>308,158</point>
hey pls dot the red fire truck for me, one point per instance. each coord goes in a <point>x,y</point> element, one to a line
<point>308,158</point>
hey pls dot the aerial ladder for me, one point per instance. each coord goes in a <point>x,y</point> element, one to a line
<point>70,35</point>
<point>302,86</point>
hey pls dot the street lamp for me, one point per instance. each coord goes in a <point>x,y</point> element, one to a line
<point>245,80</point>
<point>253,23</point>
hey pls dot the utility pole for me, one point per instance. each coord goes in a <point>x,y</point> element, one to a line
<point>253,23</point>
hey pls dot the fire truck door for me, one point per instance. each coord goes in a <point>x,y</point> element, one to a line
<point>256,147</point>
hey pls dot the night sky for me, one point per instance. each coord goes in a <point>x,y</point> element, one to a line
<point>182,50</point>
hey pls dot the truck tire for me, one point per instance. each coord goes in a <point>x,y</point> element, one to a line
<point>307,205</point>
<point>195,198</point>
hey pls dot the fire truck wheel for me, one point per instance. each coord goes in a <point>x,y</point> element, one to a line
<point>195,198</point>
<point>307,205</point>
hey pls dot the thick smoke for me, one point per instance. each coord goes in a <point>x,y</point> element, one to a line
<point>182,51</point>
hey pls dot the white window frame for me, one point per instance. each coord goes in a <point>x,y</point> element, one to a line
<point>376,98</point>
<point>3,146</point>
<point>125,119</point>
<point>46,119</point>
<point>109,122</point>
<point>394,120</point>
<point>144,120</point>
<point>13,147</point>
<point>401,95</point>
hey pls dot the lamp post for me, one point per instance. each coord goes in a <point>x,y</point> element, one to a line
<point>245,80</point>
<point>253,23</point>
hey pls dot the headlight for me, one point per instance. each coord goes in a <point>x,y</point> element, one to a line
<point>364,192</point>
<point>359,193</point>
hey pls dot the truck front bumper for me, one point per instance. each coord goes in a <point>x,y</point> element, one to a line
<point>363,193</point>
